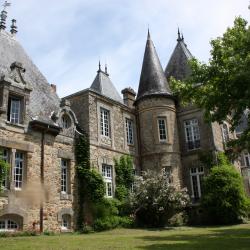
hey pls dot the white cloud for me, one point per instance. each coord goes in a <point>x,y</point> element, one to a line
<point>66,38</point>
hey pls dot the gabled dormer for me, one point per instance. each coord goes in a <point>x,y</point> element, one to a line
<point>14,95</point>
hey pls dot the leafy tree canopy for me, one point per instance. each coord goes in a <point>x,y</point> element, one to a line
<point>224,199</point>
<point>222,86</point>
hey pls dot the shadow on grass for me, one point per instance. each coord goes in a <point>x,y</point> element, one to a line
<point>219,239</point>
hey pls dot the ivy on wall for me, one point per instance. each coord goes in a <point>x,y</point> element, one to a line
<point>124,176</point>
<point>90,183</point>
<point>4,169</point>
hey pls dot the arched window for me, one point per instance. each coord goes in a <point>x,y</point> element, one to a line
<point>8,225</point>
<point>66,121</point>
<point>66,222</point>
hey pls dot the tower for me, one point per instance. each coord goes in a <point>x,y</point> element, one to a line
<point>155,105</point>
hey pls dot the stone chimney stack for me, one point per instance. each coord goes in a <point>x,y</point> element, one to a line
<point>129,97</point>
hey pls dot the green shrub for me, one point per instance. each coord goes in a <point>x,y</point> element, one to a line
<point>224,200</point>
<point>178,220</point>
<point>112,222</point>
<point>49,233</point>
<point>18,234</point>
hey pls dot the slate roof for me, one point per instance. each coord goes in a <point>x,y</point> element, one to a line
<point>178,64</point>
<point>152,80</point>
<point>42,99</point>
<point>103,85</point>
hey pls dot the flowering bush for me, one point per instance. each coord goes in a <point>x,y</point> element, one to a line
<point>155,200</point>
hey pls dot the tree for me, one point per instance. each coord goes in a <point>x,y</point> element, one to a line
<point>224,200</point>
<point>155,200</point>
<point>222,86</point>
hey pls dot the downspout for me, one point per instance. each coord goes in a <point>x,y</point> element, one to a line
<point>42,179</point>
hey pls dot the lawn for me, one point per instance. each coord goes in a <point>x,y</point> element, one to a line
<point>228,238</point>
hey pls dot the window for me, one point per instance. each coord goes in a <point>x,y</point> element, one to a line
<point>129,131</point>
<point>64,176</point>
<point>167,171</point>
<point>192,134</point>
<point>66,122</point>
<point>196,175</point>
<point>5,183</point>
<point>225,133</point>
<point>14,110</point>
<point>8,225</point>
<point>66,222</point>
<point>247,159</point>
<point>18,170</point>
<point>105,122</point>
<point>107,176</point>
<point>162,129</point>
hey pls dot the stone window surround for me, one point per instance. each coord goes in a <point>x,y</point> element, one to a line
<point>108,179</point>
<point>246,161</point>
<point>107,141</point>
<point>197,174</point>
<point>225,132</point>
<point>169,134</point>
<point>66,195</point>
<point>162,118</point>
<point>12,161</point>
<point>125,118</point>
<point>65,211</point>
<point>185,133</point>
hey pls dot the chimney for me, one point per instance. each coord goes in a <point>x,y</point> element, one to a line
<point>53,88</point>
<point>129,97</point>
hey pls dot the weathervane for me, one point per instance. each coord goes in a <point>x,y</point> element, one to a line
<point>5,5</point>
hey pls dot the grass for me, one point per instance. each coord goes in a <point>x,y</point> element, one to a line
<point>205,238</point>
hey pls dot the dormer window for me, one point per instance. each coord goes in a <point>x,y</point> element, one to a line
<point>14,110</point>
<point>66,121</point>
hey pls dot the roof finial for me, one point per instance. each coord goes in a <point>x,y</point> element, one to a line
<point>106,69</point>
<point>179,35</point>
<point>13,27</point>
<point>3,15</point>
<point>148,38</point>
<point>182,37</point>
<point>100,69</point>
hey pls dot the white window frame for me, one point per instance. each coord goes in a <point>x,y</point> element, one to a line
<point>168,173</point>
<point>66,222</point>
<point>15,110</point>
<point>162,129</point>
<point>8,225</point>
<point>18,172</point>
<point>247,159</point>
<point>105,122</point>
<point>192,134</point>
<point>130,131</point>
<point>196,174</point>
<point>64,176</point>
<point>107,174</point>
<point>225,133</point>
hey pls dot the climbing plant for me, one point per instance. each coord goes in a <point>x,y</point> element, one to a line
<point>124,176</point>
<point>4,169</point>
<point>90,183</point>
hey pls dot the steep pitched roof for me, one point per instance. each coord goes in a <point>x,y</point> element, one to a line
<point>103,85</point>
<point>152,80</point>
<point>178,64</point>
<point>43,101</point>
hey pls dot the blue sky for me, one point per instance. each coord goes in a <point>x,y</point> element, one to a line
<point>66,38</point>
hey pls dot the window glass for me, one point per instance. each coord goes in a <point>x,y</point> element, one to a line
<point>18,170</point>
<point>14,110</point>
<point>66,121</point>
<point>192,134</point>
<point>162,129</point>
<point>196,174</point>
<point>129,131</point>
<point>108,179</point>
<point>64,176</point>
<point>105,122</point>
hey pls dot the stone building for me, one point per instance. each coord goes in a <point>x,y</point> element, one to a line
<point>38,129</point>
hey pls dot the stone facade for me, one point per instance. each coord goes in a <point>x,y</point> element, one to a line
<point>37,133</point>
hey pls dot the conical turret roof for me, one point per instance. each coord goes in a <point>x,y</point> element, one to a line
<point>152,80</point>
<point>103,85</point>
<point>178,64</point>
